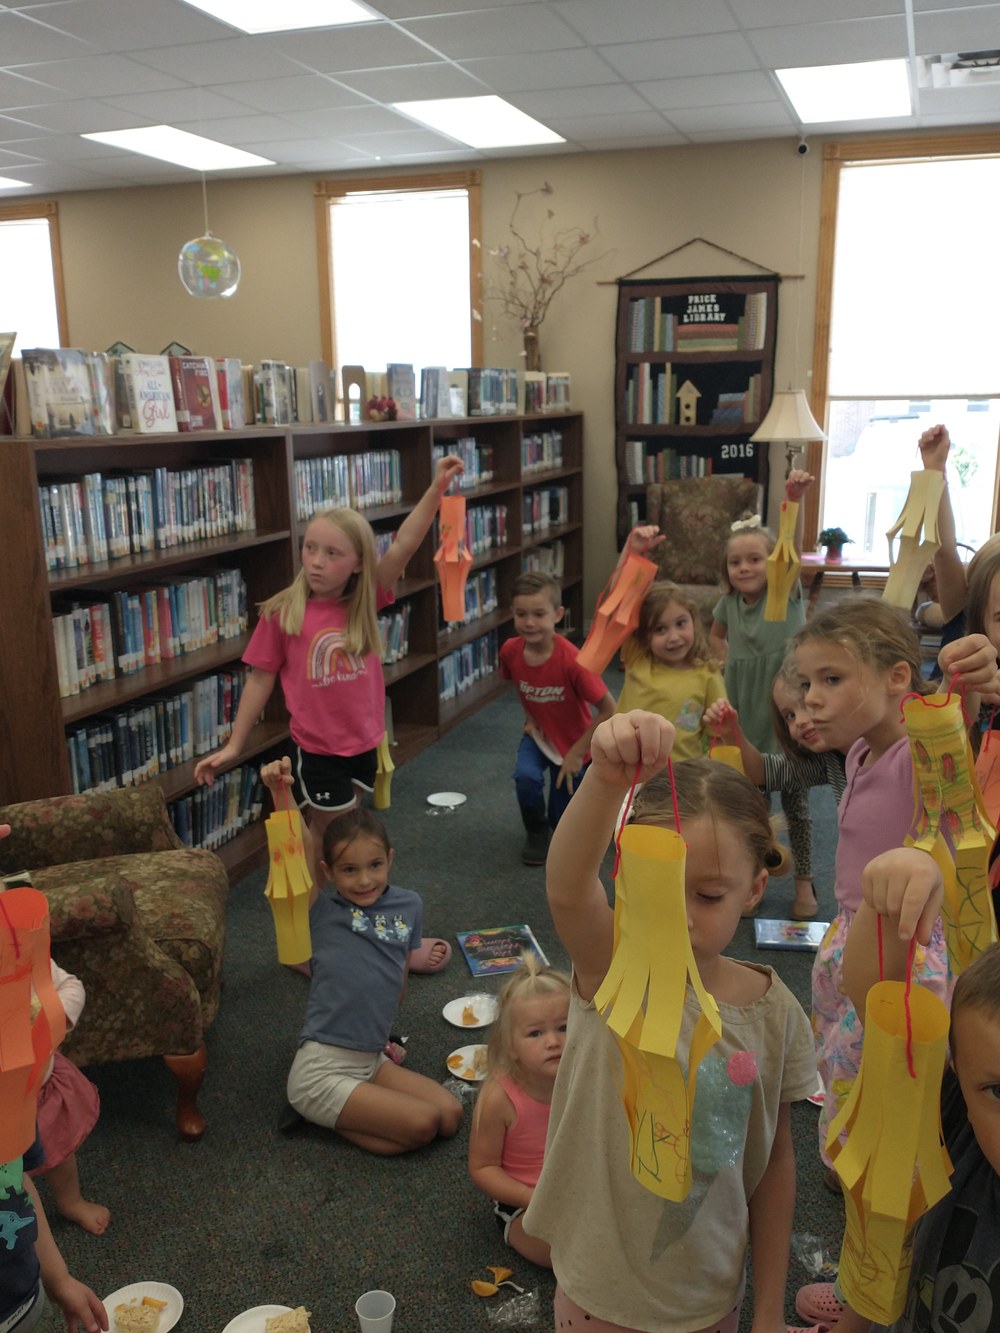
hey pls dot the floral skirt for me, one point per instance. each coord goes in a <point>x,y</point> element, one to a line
<point>68,1107</point>
<point>836,1026</point>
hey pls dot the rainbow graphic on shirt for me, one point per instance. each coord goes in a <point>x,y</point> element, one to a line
<point>328,659</point>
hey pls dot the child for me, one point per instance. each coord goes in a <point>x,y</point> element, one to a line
<point>752,649</point>
<point>857,661</point>
<point>557,696</point>
<point>321,636</point>
<point>507,1141</point>
<point>68,1107</point>
<point>669,669</point>
<point>954,1274</point>
<point>362,937</point>
<point>623,1257</point>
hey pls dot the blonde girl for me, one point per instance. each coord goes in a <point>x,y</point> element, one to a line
<point>507,1141</point>
<point>623,1257</point>
<point>320,636</point>
<point>856,662</point>
<point>669,668</point>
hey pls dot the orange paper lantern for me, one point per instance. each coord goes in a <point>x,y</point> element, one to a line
<point>453,557</point>
<point>617,613</point>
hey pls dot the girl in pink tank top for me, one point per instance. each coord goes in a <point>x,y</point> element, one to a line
<point>507,1140</point>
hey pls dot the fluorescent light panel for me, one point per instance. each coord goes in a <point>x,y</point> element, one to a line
<point>480,122</point>
<point>286,15</point>
<point>8,183</point>
<point>186,150</point>
<point>872,90</point>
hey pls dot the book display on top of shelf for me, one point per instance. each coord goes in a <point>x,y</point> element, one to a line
<point>59,392</point>
<point>149,392</point>
<point>694,378</point>
<point>145,560</point>
<point>196,393</point>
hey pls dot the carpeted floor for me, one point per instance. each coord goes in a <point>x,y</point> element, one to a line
<point>250,1216</point>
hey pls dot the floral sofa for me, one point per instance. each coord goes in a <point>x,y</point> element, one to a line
<point>138,917</point>
<point>694,514</point>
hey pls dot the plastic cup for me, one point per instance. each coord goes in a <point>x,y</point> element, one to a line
<point>375,1310</point>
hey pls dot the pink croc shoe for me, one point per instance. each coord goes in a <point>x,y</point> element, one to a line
<point>818,1302</point>
<point>434,955</point>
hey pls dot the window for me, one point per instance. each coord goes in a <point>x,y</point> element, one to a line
<point>31,297</point>
<point>398,278</point>
<point>905,334</point>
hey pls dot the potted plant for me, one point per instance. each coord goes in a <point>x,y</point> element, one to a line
<point>834,539</point>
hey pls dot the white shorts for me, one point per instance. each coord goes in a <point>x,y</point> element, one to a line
<point>323,1077</point>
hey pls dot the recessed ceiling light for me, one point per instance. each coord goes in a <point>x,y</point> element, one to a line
<point>871,90</point>
<point>8,183</point>
<point>480,122</point>
<point>266,16</point>
<point>187,150</point>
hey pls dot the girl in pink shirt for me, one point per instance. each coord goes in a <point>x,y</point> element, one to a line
<point>507,1141</point>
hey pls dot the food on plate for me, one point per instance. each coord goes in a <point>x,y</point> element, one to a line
<point>469,1016</point>
<point>151,1300</point>
<point>295,1321</point>
<point>479,1060</point>
<point>136,1318</point>
<point>456,1061</point>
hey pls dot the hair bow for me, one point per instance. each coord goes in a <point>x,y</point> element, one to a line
<point>741,523</point>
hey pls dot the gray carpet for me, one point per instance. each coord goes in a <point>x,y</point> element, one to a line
<point>250,1216</point>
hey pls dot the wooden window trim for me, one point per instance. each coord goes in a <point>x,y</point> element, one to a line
<point>837,154</point>
<point>47,209</point>
<point>325,191</point>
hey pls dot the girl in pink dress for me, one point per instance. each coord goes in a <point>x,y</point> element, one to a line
<point>507,1141</point>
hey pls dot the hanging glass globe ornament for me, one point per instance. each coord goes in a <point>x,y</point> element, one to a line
<point>208,268</point>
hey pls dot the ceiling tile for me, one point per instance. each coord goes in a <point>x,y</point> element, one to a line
<point>68,117</point>
<point>961,102</point>
<point>412,83</point>
<point>778,13</point>
<point>709,90</point>
<point>642,124</point>
<point>237,130</point>
<point>25,42</point>
<point>604,99</point>
<point>829,43</point>
<point>975,29</point>
<point>365,46</point>
<point>414,140</point>
<point>169,105</point>
<point>295,151</point>
<point>720,54</point>
<point>124,25</point>
<point>336,122</point>
<point>304,92</point>
<point>758,115</point>
<point>644,20</point>
<point>16,90</point>
<point>532,72</point>
<point>462,36</point>
<point>409,9</point>
<point>110,73</point>
<point>225,60</point>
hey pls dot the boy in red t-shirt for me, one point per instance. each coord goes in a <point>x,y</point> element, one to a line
<point>559,699</point>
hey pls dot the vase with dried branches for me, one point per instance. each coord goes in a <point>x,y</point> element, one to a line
<point>535,266</point>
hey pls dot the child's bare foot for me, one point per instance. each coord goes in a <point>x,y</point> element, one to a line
<point>93,1217</point>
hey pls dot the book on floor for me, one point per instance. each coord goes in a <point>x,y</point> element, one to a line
<point>771,934</point>
<point>498,949</point>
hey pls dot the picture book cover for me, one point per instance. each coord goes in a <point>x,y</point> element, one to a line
<point>771,934</point>
<point>498,949</point>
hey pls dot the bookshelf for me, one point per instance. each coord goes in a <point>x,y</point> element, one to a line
<point>527,472</point>
<point>694,377</point>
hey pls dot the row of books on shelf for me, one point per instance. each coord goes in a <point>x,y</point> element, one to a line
<point>101,635</point>
<point>644,464</point>
<point>355,481</point>
<point>477,460</point>
<point>547,507</point>
<point>542,451</point>
<point>459,670</point>
<point>653,397</point>
<point>657,324</point>
<point>95,518</point>
<point>483,391</point>
<point>485,528</point>
<point>549,558</point>
<point>211,816</point>
<point>136,744</point>
<point>394,627</point>
<point>481,598</point>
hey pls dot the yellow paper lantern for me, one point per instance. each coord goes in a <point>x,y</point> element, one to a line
<point>917,529</point>
<point>783,564</point>
<point>288,886</point>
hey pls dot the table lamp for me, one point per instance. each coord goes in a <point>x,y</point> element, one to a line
<point>790,422</point>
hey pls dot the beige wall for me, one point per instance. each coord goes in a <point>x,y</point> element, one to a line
<point>120,248</point>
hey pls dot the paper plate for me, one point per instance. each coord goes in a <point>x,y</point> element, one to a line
<point>255,1320</point>
<point>461,1064</point>
<point>448,799</point>
<point>160,1291</point>
<point>481,1008</point>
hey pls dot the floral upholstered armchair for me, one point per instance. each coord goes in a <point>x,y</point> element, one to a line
<point>138,917</point>
<point>694,514</point>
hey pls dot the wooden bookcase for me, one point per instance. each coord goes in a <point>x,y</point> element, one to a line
<point>33,753</point>
<point>700,406</point>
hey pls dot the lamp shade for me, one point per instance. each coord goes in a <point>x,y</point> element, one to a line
<point>789,419</point>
